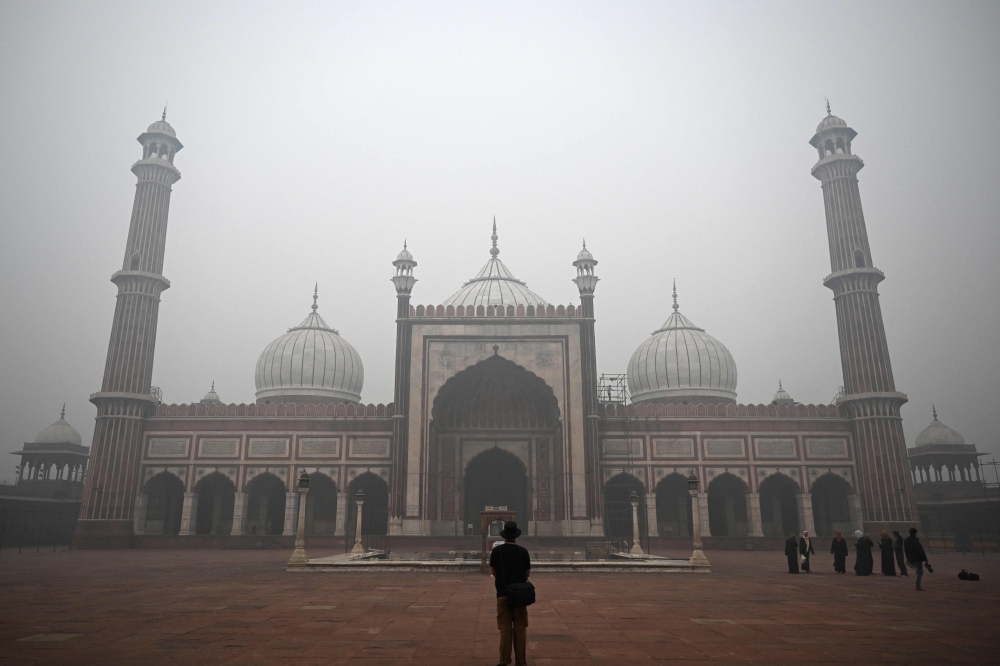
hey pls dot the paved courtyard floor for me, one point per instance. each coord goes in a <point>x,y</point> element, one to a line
<point>183,607</point>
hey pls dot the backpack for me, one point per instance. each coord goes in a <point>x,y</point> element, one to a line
<point>964,574</point>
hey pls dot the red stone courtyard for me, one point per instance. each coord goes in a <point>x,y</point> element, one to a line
<point>183,607</point>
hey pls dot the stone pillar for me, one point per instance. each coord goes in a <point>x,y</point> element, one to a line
<point>139,518</point>
<point>753,515</point>
<point>189,514</point>
<point>651,527</point>
<point>239,513</point>
<point>857,514</point>
<point>289,515</point>
<point>703,514</point>
<point>805,505</point>
<point>341,514</point>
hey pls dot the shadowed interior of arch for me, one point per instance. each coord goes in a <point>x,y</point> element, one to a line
<point>164,504</point>
<point>265,505</point>
<point>496,478</point>
<point>727,506</point>
<point>216,501</point>
<point>831,510</point>
<point>779,512</point>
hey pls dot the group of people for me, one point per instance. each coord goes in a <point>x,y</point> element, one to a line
<point>896,551</point>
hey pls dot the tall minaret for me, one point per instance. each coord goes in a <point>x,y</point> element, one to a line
<point>870,395</point>
<point>124,400</point>
<point>403,280</point>
<point>586,283</point>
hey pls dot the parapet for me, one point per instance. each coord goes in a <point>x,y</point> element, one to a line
<point>660,410</point>
<point>463,311</point>
<point>277,410</point>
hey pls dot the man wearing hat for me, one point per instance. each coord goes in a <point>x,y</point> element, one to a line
<point>510,563</point>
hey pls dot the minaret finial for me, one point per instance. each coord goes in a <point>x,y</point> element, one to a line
<point>779,386</point>
<point>584,243</point>
<point>213,384</point>
<point>62,414</point>
<point>315,297</point>
<point>404,243</point>
<point>676,307</point>
<point>164,116</point>
<point>828,112</point>
<point>494,250</point>
<point>934,411</point>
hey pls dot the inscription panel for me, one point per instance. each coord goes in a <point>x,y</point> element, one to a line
<point>775,448</point>
<point>218,448</point>
<point>826,448</point>
<point>317,447</point>
<point>167,447</point>
<point>622,448</point>
<point>724,448</point>
<point>673,447</point>
<point>368,448</point>
<point>268,447</point>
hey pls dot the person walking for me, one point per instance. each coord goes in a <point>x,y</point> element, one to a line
<point>805,549</point>
<point>839,550</point>
<point>864,563</point>
<point>888,554</point>
<point>792,553</point>
<point>510,563</point>
<point>898,549</point>
<point>915,556</point>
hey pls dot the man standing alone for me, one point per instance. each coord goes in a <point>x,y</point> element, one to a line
<point>510,563</point>
<point>915,555</point>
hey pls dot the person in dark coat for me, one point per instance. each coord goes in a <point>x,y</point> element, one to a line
<point>805,549</point>
<point>898,548</point>
<point>792,552</point>
<point>864,564</point>
<point>839,550</point>
<point>888,555</point>
<point>915,555</point>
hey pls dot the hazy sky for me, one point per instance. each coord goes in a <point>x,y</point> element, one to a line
<point>673,136</point>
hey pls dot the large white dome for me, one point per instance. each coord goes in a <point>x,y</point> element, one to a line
<point>310,363</point>
<point>59,432</point>
<point>939,434</point>
<point>682,363</point>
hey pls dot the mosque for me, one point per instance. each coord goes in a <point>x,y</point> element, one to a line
<point>497,403</point>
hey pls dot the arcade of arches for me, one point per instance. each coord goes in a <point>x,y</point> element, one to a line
<point>496,440</point>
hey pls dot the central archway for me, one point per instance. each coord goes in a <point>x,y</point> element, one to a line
<point>495,478</point>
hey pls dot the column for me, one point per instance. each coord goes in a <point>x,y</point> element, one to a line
<point>857,514</point>
<point>239,513</point>
<point>289,514</point>
<point>189,514</point>
<point>805,505</point>
<point>651,527</point>
<point>139,518</point>
<point>703,514</point>
<point>341,514</point>
<point>753,515</point>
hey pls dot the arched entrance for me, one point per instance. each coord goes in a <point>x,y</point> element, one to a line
<point>779,512</point>
<point>321,506</point>
<point>831,510</point>
<point>618,507</point>
<point>727,506</point>
<point>216,500</point>
<point>164,502</point>
<point>266,505</point>
<point>495,478</point>
<point>495,440</point>
<point>673,506</point>
<point>375,510</point>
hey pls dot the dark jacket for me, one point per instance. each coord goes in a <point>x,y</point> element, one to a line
<point>913,550</point>
<point>839,548</point>
<point>791,549</point>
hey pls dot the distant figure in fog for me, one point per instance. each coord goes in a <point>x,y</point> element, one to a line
<point>806,549</point>
<point>865,563</point>
<point>839,550</point>
<point>888,555</point>
<point>792,553</point>
<point>915,556</point>
<point>898,548</point>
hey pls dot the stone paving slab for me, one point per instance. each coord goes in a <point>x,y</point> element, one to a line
<point>240,607</point>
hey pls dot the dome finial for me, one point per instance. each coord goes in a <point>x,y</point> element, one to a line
<point>676,307</point>
<point>828,112</point>
<point>584,243</point>
<point>779,386</point>
<point>164,116</point>
<point>934,411</point>
<point>213,384</point>
<point>494,251</point>
<point>62,414</point>
<point>315,297</point>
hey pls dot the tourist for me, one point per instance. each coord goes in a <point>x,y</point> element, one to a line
<point>510,563</point>
<point>805,549</point>
<point>915,556</point>
<point>898,548</point>
<point>864,564</point>
<point>888,555</point>
<point>792,552</point>
<point>839,550</point>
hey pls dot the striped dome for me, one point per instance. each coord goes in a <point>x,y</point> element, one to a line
<point>310,362</point>
<point>682,363</point>
<point>495,285</point>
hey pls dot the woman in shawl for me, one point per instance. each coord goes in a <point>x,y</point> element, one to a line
<point>805,549</point>
<point>888,556</point>
<point>864,564</point>
<point>792,553</point>
<point>839,550</point>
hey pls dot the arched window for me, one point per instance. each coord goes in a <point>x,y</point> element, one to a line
<point>133,262</point>
<point>859,259</point>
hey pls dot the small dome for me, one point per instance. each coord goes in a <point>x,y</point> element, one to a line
<point>782,397</point>
<point>162,127</point>
<point>404,255</point>
<point>682,363</point>
<point>59,432</point>
<point>585,254</point>
<point>495,285</point>
<point>939,434</point>
<point>211,397</point>
<point>310,362</point>
<point>828,122</point>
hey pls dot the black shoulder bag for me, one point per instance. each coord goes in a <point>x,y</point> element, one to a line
<point>518,595</point>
